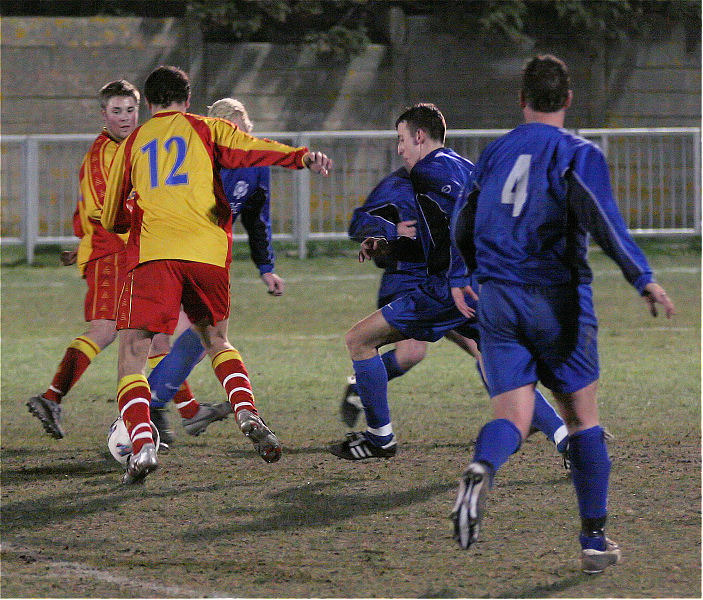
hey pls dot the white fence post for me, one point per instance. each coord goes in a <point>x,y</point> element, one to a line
<point>302,204</point>
<point>697,181</point>
<point>31,196</point>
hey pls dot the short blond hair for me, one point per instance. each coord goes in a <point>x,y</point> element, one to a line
<point>231,109</point>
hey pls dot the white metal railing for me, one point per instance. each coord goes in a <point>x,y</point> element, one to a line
<point>655,176</point>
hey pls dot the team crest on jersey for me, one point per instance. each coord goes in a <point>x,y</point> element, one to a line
<point>240,189</point>
<point>446,189</point>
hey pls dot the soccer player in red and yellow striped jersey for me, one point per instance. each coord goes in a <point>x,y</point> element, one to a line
<point>101,254</point>
<point>179,249</point>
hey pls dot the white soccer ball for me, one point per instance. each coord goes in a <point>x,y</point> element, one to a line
<point>120,445</point>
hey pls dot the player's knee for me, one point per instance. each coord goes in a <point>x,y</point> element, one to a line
<point>102,332</point>
<point>411,355</point>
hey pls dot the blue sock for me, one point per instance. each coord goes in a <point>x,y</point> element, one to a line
<point>590,472</point>
<point>392,367</point>
<point>496,441</point>
<point>548,421</point>
<point>372,385</point>
<point>173,370</point>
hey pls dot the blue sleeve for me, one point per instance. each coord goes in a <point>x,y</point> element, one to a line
<point>462,229</point>
<point>256,219</point>
<point>591,201</point>
<point>388,203</point>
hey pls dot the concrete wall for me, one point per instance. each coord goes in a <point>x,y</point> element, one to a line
<point>53,67</point>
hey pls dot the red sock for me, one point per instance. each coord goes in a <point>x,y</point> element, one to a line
<point>185,402</point>
<point>183,399</point>
<point>75,361</point>
<point>133,397</point>
<point>233,376</point>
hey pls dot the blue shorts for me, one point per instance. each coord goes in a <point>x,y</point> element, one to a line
<point>395,284</point>
<point>531,333</point>
<point>428,312</point>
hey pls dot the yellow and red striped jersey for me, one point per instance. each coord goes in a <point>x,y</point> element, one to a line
<point>172,164</point>
<point>96,241</point>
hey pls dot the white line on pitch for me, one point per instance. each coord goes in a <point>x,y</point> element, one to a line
<point>64,570</point>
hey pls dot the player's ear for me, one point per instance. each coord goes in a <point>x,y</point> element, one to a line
<point>188,101</point>
<point>569,98</point>
<point>420,135</point>
<point>521,99</point>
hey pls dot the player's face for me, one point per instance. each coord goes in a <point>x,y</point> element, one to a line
<point>408,145</point>
<point>120,116</point>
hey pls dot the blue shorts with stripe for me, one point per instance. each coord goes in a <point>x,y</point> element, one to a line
<point>531,333</point>
<point>395,284</point>
<point>428,312</point>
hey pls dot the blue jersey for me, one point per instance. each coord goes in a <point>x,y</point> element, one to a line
<point>440,181</point>
<point>539,192</point>
<point>248,192</point>
<point>390,202</point>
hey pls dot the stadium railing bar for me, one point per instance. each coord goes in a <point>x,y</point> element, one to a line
<point>655,176</point>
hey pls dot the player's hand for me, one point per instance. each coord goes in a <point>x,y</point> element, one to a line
<point>372,247</point>
<point>274,283</point>
<point>458,294</point>
<point>407,229</point>
<point>68,257</point>
<point>318,162</point>
<point>655,294</point>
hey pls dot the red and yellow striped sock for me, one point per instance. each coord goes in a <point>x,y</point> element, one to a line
<point>75,361</point>
<point>233,376</point>
<point>133,396</point>
<point>185,402</point>
<point>183,399</point>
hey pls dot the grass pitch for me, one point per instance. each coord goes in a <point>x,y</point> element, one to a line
<point>216,520</point>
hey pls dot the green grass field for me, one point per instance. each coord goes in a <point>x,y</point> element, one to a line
<point>216,521</point>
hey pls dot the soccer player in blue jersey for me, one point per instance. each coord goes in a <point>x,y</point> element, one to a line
<point>248,193</point>
<point>524,231</point>
<point>389,212</point>
<point>439,178</point>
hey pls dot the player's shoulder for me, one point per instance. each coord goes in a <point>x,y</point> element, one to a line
<point>398,178</point>
<point>103,140</point>
<point>441,162</point>
<point>392,187</point>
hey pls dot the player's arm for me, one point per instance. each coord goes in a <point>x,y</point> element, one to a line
<point>116,216</point>
<point>591,201</point>
<point>235,148</point>
<point>462,229</point>
<point>256,220</point>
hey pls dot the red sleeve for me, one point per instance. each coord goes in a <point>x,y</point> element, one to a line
<point>77,226</point>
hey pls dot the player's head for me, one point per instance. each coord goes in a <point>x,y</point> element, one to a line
<point>545,84</point>
<point>119,106</point>
<point>232,110</point>
<point>167,85</point>
<point>421,129</point>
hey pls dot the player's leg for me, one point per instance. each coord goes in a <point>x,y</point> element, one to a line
<point>568,365</point>
<point>149,304</point>
<point>397,361</point>
<point>133,402</point>
<point>104,279</point>
<point>362,341</point>
<point>590,470</point>
<point>545,419</point>
<point>511,374</point>
<point>229,368</point>
<point>206,301</point>
<point>170,373</point>
<point>496,441</point>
